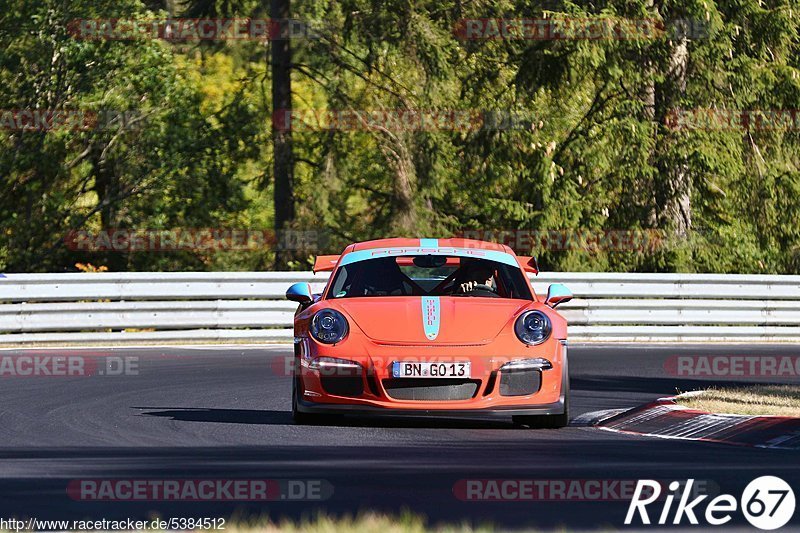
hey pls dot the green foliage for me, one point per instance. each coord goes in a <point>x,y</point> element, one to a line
<point>590,148</point>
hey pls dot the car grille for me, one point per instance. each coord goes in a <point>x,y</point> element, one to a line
<point>431,389</point>
<point>520,382</point>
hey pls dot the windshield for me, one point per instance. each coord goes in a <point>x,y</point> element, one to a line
<point>428,275</point>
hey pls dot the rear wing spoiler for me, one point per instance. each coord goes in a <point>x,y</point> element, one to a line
<point>529,264</point>
<point>325,263</point>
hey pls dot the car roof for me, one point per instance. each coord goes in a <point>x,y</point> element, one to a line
<point>429,243</point>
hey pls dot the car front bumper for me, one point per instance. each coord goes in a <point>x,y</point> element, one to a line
<point>487,400</point>
<point>556,408</point>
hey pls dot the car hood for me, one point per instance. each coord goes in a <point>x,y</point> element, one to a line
<point>426,320</point>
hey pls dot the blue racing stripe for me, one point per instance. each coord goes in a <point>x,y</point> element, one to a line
<point>431,313</point>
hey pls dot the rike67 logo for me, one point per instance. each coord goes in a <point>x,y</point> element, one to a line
<point>767,503</point>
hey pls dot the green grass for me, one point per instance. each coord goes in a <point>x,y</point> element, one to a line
<point>781,400</point>
<point>363,523</point>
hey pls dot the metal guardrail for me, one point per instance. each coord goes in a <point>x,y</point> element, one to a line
<point>249,306</point>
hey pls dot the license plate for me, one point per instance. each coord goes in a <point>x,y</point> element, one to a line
<point>402,369</point>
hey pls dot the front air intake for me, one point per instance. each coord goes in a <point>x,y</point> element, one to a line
<point>343,386</point>
<point>431,389</point>
<point>520,382</point>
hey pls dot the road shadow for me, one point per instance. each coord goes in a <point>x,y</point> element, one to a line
<point>657,386</point>
<point>222,416</point>
<point>652,387</point>
<point>282,418</point>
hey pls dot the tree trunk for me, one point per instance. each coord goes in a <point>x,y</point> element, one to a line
<point>673,195</point>
<point>106,186</point>
<point>671,199</point>
<point>283,159</point>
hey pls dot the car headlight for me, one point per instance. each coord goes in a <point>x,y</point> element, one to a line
<point>533,327</point>
<point>329,326</point>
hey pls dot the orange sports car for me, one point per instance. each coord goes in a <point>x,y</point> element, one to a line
<point>444,327</point>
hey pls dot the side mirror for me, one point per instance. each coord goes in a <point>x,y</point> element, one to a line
<point>557,294</point>
<point>300,293</point>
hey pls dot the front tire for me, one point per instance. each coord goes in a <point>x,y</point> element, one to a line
<point>543,421</point>
<point>547,421</point>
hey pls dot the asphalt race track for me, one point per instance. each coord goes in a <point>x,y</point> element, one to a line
<point>223,412</point>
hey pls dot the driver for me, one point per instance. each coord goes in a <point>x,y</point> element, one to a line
<point>475,273</point>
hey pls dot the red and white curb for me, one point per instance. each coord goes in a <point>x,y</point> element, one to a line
<point>665,419</point>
